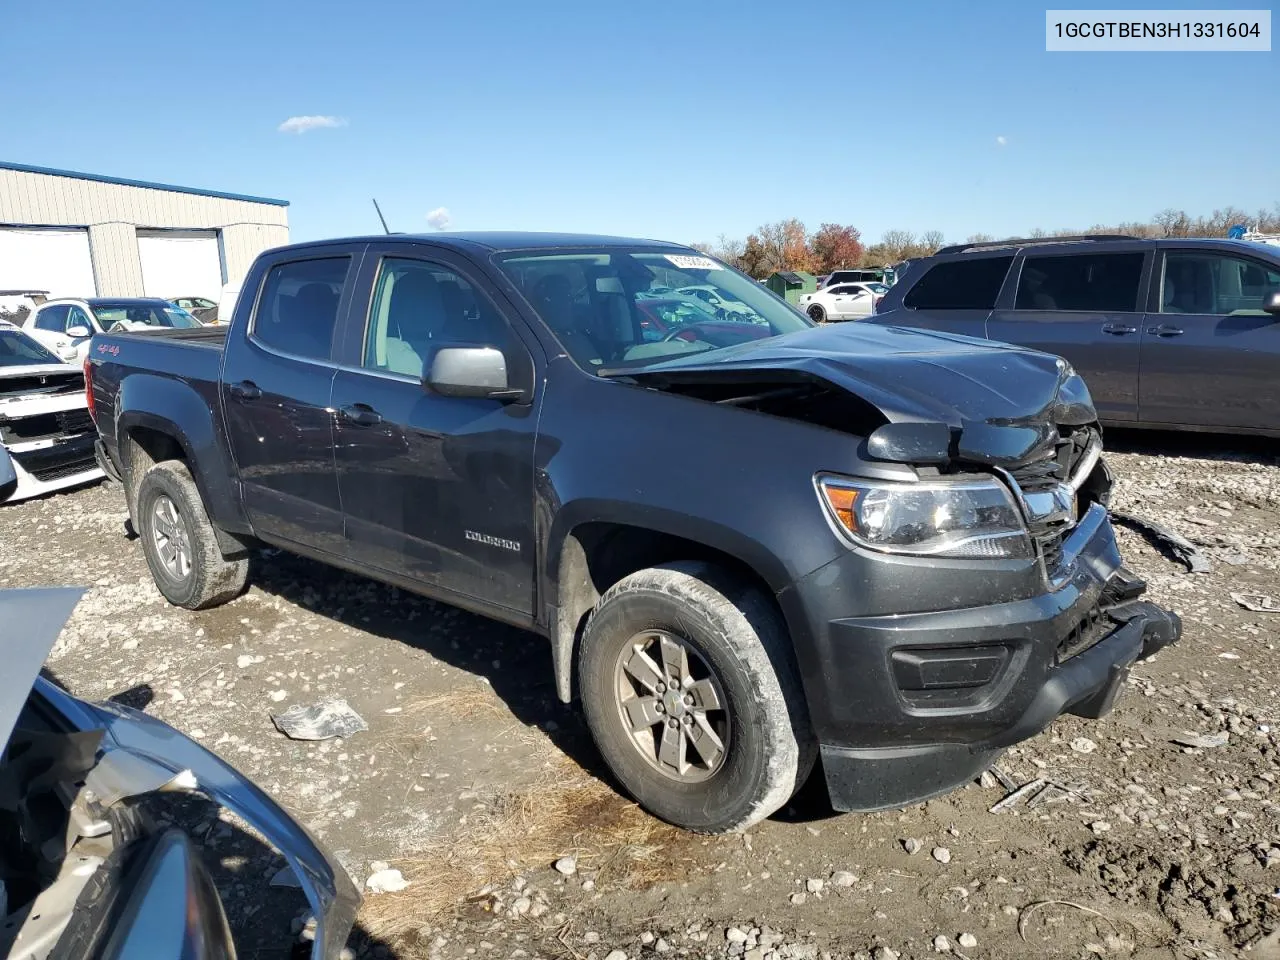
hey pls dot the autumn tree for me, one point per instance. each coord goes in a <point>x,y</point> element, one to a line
<point>753,259</point>
<point>930,243</point>
<point>834,245</point>
<point>785,245</point>
<point>897,244</point>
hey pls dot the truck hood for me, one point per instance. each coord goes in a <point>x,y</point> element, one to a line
<point>993,403</point>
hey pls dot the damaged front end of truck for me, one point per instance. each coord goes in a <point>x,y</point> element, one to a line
<point>979,600</point>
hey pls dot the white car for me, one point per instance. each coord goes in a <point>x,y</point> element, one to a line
<point>715,299</point>
<point>844,301</point>
<point>45,428</point>
<point>66,325</point>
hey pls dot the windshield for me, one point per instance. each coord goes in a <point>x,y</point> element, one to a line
<point>19,350</point>
<point>144,314</point>
<point>615,308</point>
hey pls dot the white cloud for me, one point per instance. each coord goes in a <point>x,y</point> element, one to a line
<point>1001,140</point>
<point>303,124</point>
<point>440,218</point>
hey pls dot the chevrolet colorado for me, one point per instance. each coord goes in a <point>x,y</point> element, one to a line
<point>886,548</point>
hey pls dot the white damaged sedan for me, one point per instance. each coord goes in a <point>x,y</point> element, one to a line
<point>45,427</point>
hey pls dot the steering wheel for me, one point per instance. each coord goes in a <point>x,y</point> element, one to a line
<point>679,332</point>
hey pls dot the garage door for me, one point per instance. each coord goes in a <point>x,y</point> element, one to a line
<point>180,263</point>
<point>53,260</point>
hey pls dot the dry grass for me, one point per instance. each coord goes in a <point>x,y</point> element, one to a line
<point>568,813</point>
<point>463,703</point>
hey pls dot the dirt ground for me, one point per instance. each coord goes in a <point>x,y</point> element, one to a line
<point>473,780</point>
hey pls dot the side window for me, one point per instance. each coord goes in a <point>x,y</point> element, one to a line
<point>78,318</point>
<point>969,284</point>
<point>53,319</point>
<point>1097,282</point>
<point>416,305</point>
<point>299,306</point>
<point>1212,283</point>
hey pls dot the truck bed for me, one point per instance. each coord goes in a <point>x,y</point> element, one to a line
<point>214,336</point>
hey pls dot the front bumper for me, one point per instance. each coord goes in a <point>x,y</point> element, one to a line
<point>909,706</point>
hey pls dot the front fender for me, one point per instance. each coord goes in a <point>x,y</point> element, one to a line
<point>708,533</point>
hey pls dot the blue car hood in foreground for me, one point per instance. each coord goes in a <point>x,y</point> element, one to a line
<point>999,403</point>
<point>139,754</point>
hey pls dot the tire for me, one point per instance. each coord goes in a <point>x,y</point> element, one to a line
<point>180,544</point>
<point>737,648</point>
<point>817,314</point>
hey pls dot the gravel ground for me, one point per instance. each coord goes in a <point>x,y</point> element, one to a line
<point>1158,836</point>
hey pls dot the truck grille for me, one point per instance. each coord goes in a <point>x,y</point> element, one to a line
<point>1092,627</point>
<point>1049,472</point>
<point>46,426</point>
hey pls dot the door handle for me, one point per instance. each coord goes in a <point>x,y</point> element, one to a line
<point>1118,329</point>
<point>1165,330</point>
<point>360,414</point>
<point>245,390</point>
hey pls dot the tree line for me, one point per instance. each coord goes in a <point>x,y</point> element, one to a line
<point>788,245</point>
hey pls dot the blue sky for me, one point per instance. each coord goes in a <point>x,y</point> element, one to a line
<point>675,121</point>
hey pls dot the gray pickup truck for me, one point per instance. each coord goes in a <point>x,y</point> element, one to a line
<point>749,541</point>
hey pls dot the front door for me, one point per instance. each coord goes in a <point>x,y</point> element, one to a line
<point>276,387</point>
<point>1083,307</point>
<point>1210,355</point>
<point>438,490</point>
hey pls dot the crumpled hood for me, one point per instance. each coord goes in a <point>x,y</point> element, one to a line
<point>1001,403</point>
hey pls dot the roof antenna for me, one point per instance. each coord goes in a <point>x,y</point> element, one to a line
<point>380,216</point>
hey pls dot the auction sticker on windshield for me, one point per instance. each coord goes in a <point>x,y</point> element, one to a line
<point>685,262</point>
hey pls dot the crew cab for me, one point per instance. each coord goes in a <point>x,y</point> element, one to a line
<point>890,548</point>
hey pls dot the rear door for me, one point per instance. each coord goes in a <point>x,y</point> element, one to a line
<point>1210,355</point>
<point>276,384</point>
<point>954,295</point>
<point>435,489</point>
<point>1083,306</point>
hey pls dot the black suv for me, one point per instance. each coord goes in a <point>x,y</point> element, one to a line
<point>1178,334</point>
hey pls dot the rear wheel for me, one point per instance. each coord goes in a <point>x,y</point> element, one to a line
<point>690,689</point>
<point>817,314</point>
<point>180,544</point>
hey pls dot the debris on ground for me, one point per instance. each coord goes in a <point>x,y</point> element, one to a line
<point>1202,741</point>
<point>1257,602</point>
<point>1179,546</point>
<point>1006,781</point>
<point>567,866</point>
<point>1023,792</point>
<point>322,720</point>
<point>385,880</point>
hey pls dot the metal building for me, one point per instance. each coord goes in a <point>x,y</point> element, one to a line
<point>80,234</point>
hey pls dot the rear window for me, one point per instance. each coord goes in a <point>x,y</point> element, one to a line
<point>1098,282</point>
<point>970,284</point>
<point>299,306</point>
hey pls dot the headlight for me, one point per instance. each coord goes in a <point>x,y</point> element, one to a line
<point>937,519</point>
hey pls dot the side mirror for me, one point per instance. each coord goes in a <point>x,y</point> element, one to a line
<point>79,331</point>
<point>469,371</point>
<point>1271,303</point>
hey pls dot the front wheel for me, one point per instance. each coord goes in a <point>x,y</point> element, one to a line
<point>691,692</point>
<point>180,544</point>
<point>817,314</point>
